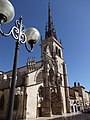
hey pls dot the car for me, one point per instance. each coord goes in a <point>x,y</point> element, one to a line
<point>86,110</point>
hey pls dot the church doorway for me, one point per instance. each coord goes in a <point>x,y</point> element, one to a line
<point>55,104</point>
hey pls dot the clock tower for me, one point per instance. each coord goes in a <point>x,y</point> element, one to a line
<point>56,95</point>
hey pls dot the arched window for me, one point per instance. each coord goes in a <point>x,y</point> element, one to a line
<point>57,50</point>
<point>60,80</point>
<point>51,76</point>
<point>59,53</point>
<point>16,102</point>
<point>41,91</point>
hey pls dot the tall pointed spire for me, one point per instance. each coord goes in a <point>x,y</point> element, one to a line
<point>50,21</point>
<point>50,28</point>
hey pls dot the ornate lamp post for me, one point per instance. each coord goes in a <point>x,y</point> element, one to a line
<point>28,37</point>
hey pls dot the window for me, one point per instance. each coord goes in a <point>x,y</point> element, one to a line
<point>16,102</point>
<point>56,50</point>
<point>60,80</point>
<point>59,53</point>
<point>2,102</point>
<point>41,91</point>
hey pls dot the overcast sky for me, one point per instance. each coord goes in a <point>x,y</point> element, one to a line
<point>72,22</point>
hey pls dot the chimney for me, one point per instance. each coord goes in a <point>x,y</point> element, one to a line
<point>78,84</point>
<point>74,84</point>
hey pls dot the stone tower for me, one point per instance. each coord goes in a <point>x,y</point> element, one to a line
<point>56,97</point>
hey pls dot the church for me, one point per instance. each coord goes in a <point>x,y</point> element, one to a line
<point>42,86</point>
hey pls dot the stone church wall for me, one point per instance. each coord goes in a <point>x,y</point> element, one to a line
<point>32,101</point>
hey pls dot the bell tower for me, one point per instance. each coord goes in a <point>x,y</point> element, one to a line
<point>54,101</point>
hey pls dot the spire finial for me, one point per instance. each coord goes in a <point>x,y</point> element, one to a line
<point>50,31</point>
<point>49,17</point>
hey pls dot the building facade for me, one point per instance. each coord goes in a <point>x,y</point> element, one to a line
<point>80,98</point>
<point>75,100</point>
<point>42,87</point>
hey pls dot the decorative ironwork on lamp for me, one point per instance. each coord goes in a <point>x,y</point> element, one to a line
<point>28,36</point>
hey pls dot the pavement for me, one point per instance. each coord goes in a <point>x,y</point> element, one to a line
<point>57,117</point>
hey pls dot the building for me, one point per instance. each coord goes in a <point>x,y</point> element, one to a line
<point>81,99</point>
<point>89,98</point>
<point>42,87</point>
<point>75,100</point>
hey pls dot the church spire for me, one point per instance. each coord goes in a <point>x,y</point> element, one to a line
<point>50,28</point>
<point>50,21</point>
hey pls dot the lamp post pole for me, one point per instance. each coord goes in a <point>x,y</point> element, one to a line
<point>13,82</point>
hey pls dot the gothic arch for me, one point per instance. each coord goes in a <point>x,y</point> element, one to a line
<point>38,76</point>
<point>51,76</point>
<point>41,91</point>
<point>56,105</point>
